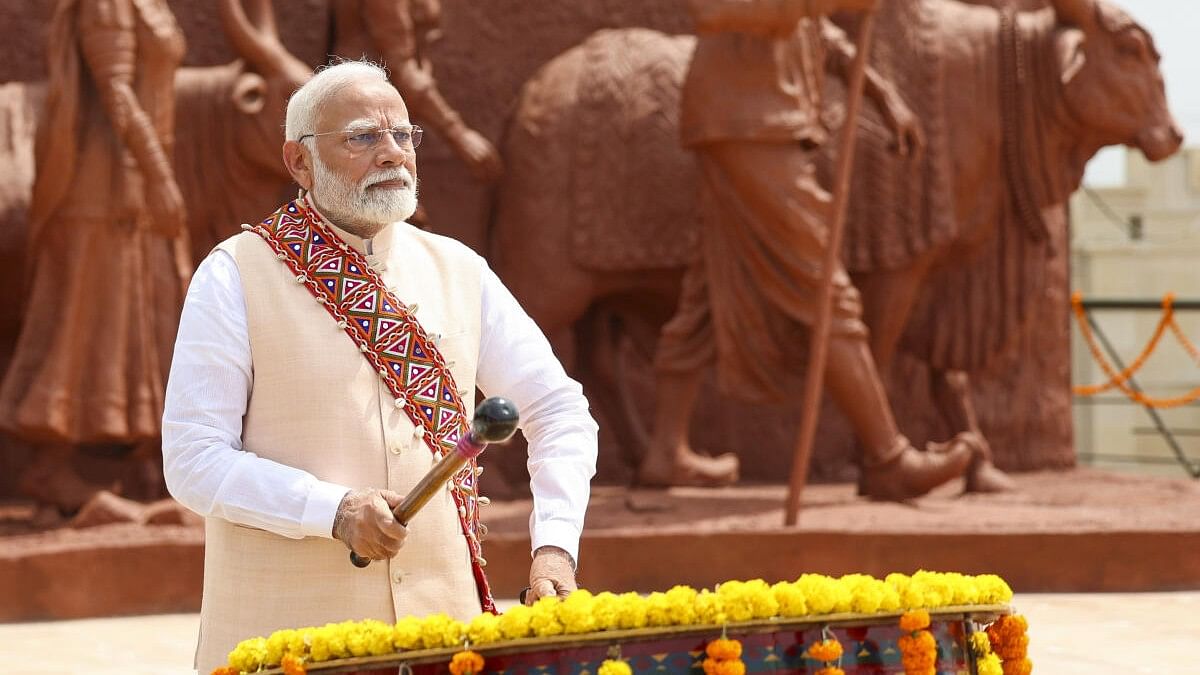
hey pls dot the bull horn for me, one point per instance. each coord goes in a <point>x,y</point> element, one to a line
<point>258,42</point>
<point>1081,13</point>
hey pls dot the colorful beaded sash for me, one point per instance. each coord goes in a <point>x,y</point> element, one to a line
<point>390,338</point>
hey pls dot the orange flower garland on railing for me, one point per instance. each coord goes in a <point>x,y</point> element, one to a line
<point>724,657</point>
<point>293,665</point>
<point>1011,643</point>
<point>1119,380</point>
<point>466,662</point>
<point>828,651</point>
<point>918,649</point>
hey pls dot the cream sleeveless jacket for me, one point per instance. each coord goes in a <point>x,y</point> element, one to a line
<point>318,405</point>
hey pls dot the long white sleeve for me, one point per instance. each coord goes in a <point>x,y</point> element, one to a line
<point>206,468</point>
<point>517,362</point>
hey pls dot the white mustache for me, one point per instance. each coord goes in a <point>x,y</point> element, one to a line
<point>399,173</point>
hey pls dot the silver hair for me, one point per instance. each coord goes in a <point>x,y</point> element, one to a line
<point>305,104</point>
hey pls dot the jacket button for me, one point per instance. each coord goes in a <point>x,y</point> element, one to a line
<point>397,576</point>
<point>396,450</point>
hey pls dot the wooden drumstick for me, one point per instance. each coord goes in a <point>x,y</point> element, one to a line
<point>495,422</point>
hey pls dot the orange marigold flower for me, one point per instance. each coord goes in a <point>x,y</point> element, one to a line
<point>914,620</point>
<point>293,666</point>
<point>724,667</point>
<point>1018,667</point>
<point>825,650</point>
<point>724,649</point>
<point>466,663</point>
<point>225,670</point>
<point>831,670</point>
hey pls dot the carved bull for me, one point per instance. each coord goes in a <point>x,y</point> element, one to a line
<point>948,249</point>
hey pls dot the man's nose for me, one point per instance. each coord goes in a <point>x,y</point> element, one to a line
<point>389,152</point>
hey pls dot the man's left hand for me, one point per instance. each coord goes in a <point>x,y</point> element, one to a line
<point>551,574</point>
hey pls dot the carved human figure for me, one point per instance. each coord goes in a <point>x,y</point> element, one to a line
<point>108,252</point>
<point>750,110</point>
<point>397,33</point>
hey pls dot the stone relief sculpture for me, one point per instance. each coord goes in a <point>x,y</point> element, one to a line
<point>105,273</point>
<point>107,244</point>
<point>946,247</point>
<point>397,33</point>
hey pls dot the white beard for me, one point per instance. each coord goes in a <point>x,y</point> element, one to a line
<point>344,202</point>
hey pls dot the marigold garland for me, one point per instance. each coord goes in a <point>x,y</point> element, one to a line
<point>918,649</point>
<point>830,670</point>
<point>1009,641</point>
<point>293,666</point>
<point>466,662</point>
<point>809,596</point>
<point>724,657</point>
<point>614,667</point>
<point>825,650</point>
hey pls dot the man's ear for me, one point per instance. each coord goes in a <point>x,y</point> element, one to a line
<point>298,160</point>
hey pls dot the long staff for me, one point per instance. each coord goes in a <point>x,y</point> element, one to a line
<point>819,343</point>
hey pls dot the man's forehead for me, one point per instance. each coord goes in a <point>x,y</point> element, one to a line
<point>364,104</point>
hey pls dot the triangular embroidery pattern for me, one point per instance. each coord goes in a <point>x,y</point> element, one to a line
<point>390,338</point>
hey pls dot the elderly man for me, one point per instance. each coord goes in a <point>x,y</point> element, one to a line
<point>324,362</point>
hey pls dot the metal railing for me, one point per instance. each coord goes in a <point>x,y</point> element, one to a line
<point>1160,427</point>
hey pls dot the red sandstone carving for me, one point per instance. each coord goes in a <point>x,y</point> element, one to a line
<point>110,257</point>
<point>398,33</point>
<point>948,271</point>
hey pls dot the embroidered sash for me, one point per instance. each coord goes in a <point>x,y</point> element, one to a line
<point>390,338</point>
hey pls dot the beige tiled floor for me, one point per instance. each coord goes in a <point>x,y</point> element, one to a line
<point>1071,634</point>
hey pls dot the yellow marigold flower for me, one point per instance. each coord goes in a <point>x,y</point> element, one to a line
<point>980,644</point>
<point>658,611</point>
<point>681,605</point>
<point>710,609</point>
<point>406,634</point>
<point>293,665</point>
<point>825,650</point>
<point>993,590</point>
<point>632,611</point>
<point>989,665</point>
<point>484,629</point>
<point>514,622</point>
<point>866,593</point>
<point>543,618</point>
<point>614,667</point>
<point>746,600</point>
<point>823,594</point>
<point>914,620</point>
<point>790,600</point>
<point>724,649</point>
<point>466,663</point>
<point>249,655</point>
<point>439,630</point>
<point>575,613</point>
<point>724,667</point>
<point>606,608</point>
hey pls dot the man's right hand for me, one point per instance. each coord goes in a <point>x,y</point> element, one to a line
<point>364,523</point>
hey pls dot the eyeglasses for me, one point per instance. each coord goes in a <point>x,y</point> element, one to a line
<point>360,140</point>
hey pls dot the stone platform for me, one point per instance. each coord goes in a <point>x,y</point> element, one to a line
<point>1080,530</point>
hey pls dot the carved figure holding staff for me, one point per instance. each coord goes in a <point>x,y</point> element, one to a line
<point>325,361</point>
<point>751,110</point>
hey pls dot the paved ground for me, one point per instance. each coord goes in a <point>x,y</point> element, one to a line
<point>1071,634</point>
